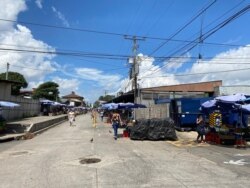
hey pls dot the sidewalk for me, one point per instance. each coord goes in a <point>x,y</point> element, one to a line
<point>19,128</point>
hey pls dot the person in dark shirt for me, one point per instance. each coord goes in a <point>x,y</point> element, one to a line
<point>116,121</point>
<point>200,128</point>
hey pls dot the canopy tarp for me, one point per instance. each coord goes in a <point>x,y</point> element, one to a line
<point>57,104</point>
<point>8,104</point>
<point>115,106</point>
<point>224,103</point>
<point>209,104</point>
<point>46,101</point>
<point>232,98</point>
<point>110,106</point>
<point>130,105</point>
<point>230,106</point>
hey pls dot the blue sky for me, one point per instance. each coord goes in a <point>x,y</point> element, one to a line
<point>91,77</point>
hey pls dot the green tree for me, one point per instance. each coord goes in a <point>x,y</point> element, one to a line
<point>20,81</point>
<point>96,104</point>
<point>103,98</point>
<point>47,90</point>
<point>106,98</point>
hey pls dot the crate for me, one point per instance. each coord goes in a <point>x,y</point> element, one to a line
<point>125,133</point>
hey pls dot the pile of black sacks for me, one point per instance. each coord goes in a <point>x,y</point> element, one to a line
<point>153,129</point>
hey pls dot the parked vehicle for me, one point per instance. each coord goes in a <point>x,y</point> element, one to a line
<point>184,111</point>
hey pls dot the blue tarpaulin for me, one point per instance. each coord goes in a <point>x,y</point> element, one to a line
<point>232,106</point>
<point>115,106</point>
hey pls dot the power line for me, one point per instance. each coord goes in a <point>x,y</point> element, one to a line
<point>223,15</point>
<point>160,16</point>
<point>208,33</point>
<point>200,73</point>
<point>148,13</point>
<point>182,28</point>
<point>82,54</point>
<point>118,34</point>
<point>111,56</point>
<point>58,70</point>
<point>64,50</point>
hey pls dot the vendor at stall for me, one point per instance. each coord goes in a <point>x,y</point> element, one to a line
<point>2,120</point>
<point>200,128</point>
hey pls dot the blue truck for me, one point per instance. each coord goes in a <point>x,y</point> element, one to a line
<point>184,111</point>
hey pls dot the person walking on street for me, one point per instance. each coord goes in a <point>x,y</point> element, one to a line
<point>94,117</point>
<point>116,121</point>
<point>200,128</point>
<point>102,114</point>
<point>71,117</point>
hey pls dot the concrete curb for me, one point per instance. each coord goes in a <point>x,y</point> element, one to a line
<point>46,128</point>
<point>22,135</point>
<point>11,137</point>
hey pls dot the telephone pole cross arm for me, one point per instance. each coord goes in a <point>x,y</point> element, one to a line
<point>135,66</point>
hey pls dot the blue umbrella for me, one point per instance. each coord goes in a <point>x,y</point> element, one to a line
<point>114,106</point>
<point>57,104</point>
<point>46,101</point>
<point>110,106</point>
<point>130,105</point>
<point>8,104</point>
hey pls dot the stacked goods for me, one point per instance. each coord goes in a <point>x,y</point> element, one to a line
<point>140,130</point>
<point>215,119</point>
<point>154,129</point>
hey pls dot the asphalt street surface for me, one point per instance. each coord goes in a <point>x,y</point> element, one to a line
<point>52,159</point>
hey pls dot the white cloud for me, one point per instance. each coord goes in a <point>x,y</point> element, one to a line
<point>9,10</point>
<point>232,59</point>
<point>60,16</point>
<point>67,85</point>
<point>150,75</point>
<point>39,3</point>
<point>173,64</point>
<point>33,66</point>
<point>105,80</point>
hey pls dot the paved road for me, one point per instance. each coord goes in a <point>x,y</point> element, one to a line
<point>52,160</point>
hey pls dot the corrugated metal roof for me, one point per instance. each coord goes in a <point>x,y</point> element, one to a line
<point>190,87</point>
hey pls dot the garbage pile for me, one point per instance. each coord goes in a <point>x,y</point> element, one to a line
<point>153,129</point>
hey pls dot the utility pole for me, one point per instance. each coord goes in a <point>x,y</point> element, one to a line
<point>7,71</point>
<point>135,66</point>
<point>105,92</point>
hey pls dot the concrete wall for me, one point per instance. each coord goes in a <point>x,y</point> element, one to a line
<point>5,90</point>
<point>230,90</point>
<point>153,111</point>
<point>28,108</point>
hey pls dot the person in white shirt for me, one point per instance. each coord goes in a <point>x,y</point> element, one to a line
<point>71,117</point>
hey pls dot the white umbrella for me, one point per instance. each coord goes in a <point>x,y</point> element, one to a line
<point>8,104</point>
<point>246,107</point>
<point>232,98</point>
<point>209,104</point>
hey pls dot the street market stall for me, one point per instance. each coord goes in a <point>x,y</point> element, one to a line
<point>227,119</point>
<point>5,104</point>
<point>143,129</point>
<point>125,108</point>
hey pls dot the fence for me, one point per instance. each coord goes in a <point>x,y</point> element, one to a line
<point>154,111</point>
<point>27,108</point>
